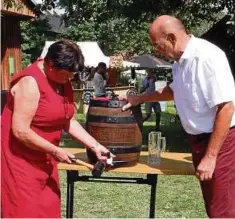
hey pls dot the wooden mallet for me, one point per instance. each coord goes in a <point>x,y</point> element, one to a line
<point>96,169</point>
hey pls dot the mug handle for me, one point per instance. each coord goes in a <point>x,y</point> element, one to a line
<point>163,144</point>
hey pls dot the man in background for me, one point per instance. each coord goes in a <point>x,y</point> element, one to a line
<point>148,86</point>
<point>100,80</point>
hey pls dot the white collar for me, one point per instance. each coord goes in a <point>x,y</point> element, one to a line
<point>188,49</point>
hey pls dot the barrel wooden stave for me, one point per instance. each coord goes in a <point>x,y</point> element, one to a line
<point>116,135</point>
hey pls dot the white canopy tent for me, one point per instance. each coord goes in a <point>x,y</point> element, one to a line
<point>92,54</point>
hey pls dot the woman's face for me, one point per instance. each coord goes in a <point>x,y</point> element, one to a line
<point>60,76</point>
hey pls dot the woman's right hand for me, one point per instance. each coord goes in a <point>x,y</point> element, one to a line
<point>62,155</point>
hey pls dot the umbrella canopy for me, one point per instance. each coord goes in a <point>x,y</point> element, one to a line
<point>148,61</point>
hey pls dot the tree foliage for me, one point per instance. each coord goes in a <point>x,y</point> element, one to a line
<point>33,37</point>
<point>122,25</point>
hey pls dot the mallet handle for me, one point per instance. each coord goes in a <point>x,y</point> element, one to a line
<point>83,163</point>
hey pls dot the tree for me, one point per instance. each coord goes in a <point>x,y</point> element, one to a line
<point>33,33</point>
<point>122,25</point>
<point>33,37</point>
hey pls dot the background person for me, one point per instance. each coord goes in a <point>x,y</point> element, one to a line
<point>148,86</point>
<point>204,93</point>
<point>100,80</point>
<point>39,106</point>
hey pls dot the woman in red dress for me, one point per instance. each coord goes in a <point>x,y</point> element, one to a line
<point>39,107</point>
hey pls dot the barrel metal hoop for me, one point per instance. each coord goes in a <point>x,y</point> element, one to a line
<point>110,103</point>
<point>124,149</point>
<point>109,119</point>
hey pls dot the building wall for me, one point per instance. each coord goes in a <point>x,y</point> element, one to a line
<point>21,7</point>
<point>11,55</point>
<point>10,50</point>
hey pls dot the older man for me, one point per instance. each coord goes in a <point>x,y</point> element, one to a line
<point>204,93</point>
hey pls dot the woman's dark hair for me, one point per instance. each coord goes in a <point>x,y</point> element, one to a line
<point>65,54</point>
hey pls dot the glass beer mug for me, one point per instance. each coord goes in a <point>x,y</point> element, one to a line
<point>156,144</point>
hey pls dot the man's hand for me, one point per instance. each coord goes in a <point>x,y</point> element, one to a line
<point>206,168</point>
<point>132,100</point>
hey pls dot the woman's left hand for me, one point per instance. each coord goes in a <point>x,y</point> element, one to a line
<point>102,153</point>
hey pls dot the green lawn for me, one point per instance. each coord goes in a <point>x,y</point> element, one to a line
<point>177,196</point>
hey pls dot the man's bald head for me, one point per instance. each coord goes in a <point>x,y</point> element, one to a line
<point>169,37</point>
<point>164,25</point>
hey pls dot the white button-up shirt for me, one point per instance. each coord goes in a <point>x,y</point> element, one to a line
<point>202,79</point>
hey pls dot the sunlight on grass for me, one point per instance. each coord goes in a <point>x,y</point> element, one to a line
<point>177,196</point>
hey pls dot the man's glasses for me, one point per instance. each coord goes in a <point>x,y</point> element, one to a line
<point>155,45</point>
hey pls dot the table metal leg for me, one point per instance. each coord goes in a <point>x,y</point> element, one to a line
<point>70,193</point>
<point>153,182</point>
<point>73,176</point>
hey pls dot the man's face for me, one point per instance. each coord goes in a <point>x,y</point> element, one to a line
<point>163,46</point>
<point>150,74</point>
<point>102,70</point>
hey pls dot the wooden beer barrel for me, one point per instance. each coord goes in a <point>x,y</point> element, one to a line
<point>120,132</point>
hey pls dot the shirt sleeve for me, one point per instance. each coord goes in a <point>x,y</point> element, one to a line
<point>99,81</point>
<point>171,85</point>
<point>105,83</point>
<point>95,80</point>
<point>215,80</point>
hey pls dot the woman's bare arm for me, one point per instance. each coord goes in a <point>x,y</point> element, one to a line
<point>80,134</point>
<point>26,98</point>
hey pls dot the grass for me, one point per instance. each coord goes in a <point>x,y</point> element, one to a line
<point>177,196</point>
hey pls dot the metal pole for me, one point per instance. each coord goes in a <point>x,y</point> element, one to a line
<point>70,194</point>
<point>153,183</point>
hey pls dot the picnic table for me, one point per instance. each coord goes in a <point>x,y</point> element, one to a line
<point>171,164</point>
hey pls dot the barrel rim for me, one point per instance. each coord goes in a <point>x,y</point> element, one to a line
<point>111,119</point>
<point>124,149</point>
<point>107,103</point>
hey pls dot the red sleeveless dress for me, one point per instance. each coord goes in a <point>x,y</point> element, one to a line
<point>30,185</point>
